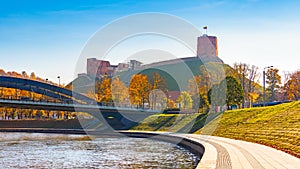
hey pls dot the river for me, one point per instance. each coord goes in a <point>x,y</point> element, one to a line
<point>35,150</point>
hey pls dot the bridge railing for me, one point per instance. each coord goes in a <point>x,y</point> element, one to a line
<point>105,105</point>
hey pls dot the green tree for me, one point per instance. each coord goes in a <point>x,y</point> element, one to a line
<point>273,79</point>
<point>234,92</point>
<point>185,100</point>
<point>229,92</point>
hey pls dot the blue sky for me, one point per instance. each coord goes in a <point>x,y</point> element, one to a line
<point>47,36</point>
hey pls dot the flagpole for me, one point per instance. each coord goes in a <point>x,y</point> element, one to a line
<point>205,28</point>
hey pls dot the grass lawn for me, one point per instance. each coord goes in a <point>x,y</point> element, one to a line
<point>165,122</point>
<point>275,126</point>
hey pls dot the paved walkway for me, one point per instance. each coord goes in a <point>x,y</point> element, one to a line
<point>224,153</point>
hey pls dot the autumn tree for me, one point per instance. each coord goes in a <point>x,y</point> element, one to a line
<point>185,100</point>
<point>92,94</point>
<point>198,87</point>
<point>103,90</point>
<point>248,77</point>
<point>241,70</point>
<point>273,79</point>
<point>139,90</point>
<point>119,91</point>
<point>292,86</point>
<point>2,72</point>
<point>25,75</point>
<point>253,77</point>
<point>32,76</point>
<point>158,88</point>
<point>168,103</point>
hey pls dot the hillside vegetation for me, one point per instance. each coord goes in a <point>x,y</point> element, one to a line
<point>166,122</point>
<point>276,126</point>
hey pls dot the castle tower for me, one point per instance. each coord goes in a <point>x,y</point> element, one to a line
<point>207,46</point>
<point>92,66</point>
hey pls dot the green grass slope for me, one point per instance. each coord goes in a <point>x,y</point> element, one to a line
<point>166,122</point>
<point>276,126</point>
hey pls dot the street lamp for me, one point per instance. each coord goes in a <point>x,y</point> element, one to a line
<point>58,80</point>
<point>264,82</point>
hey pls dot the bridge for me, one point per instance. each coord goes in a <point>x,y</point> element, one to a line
<point>45,89</point>
<point>71,101</point>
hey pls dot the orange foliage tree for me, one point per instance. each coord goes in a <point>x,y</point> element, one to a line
<point>119,91</point>
<point>139,90</point>
<point>103,90</point>
<point>292,86</point>
<point>159,89</point>
<point>198,88</point>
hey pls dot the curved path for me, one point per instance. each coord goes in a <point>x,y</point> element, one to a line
<point>224,153</point>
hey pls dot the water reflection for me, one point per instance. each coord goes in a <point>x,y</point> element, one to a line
<point>23,150</point>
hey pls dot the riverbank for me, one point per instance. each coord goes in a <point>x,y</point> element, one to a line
<point>275,126</point>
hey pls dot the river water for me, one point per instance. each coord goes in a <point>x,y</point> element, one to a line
<point>35,150</point>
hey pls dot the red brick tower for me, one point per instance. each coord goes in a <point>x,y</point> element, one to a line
<point>207,46</point>
<point>92,66</point>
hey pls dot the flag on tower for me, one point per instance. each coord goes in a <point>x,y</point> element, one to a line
<point>205,27</point>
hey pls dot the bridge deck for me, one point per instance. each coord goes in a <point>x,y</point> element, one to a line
<point>67,106</point>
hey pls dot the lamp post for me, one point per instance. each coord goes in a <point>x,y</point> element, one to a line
<point>243,105</point>
<point>58,80</point>
<point>264,82</point>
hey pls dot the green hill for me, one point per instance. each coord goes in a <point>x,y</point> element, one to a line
<point>178,74</point>
<point>82,84</point>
